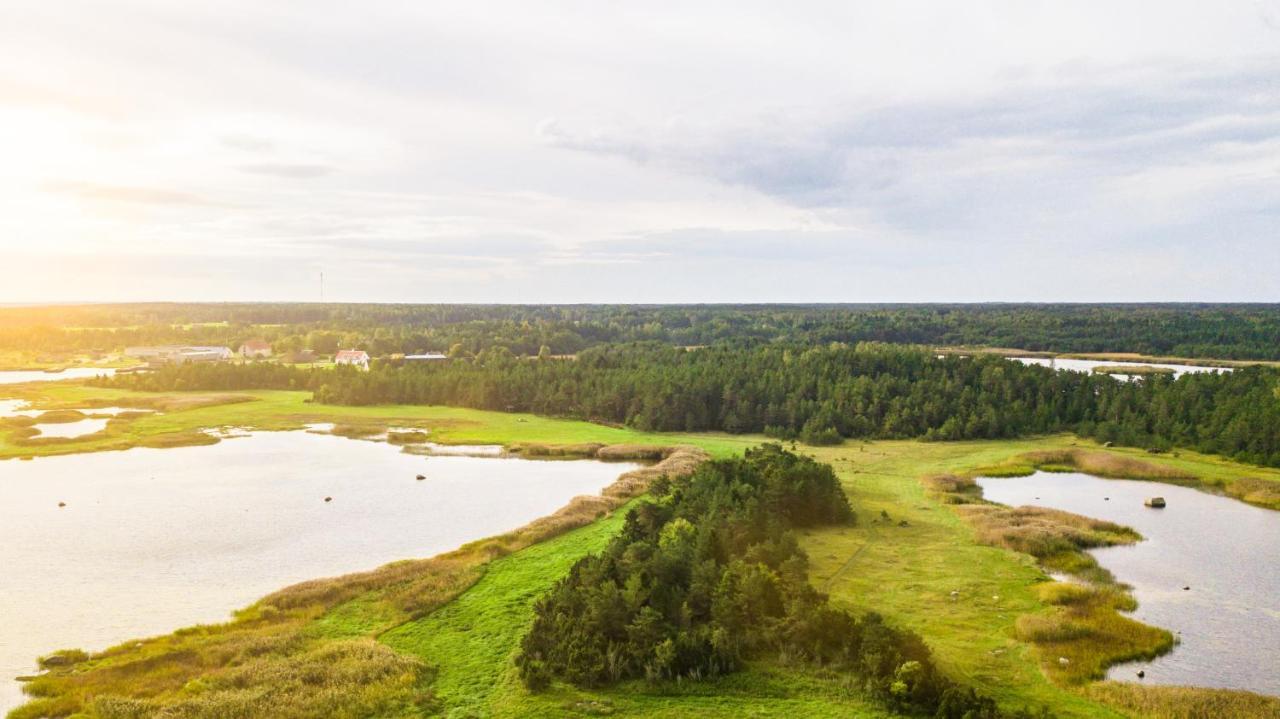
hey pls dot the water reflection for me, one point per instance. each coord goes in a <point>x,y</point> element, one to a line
<point>20,376</point>
<point>1083,365</point>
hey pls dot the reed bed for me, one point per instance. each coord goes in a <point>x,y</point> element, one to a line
<point>535,449</point>
<point>1255,491</point>
<point>1086,629</point>
<point>1043,532</point>
<point>358,431</point>
<point>953,488</point>
<point>60,416</point>
<point>407,437</point>
<point>1164,702</point>
<point>1097,463</point>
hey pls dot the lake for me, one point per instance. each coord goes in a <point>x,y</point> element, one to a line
<point>20,376</point>
<point>155,539</point>
<point>1228,622</point>
<point>1083,365</point>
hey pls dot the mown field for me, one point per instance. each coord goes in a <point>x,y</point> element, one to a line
<point>908,554</point>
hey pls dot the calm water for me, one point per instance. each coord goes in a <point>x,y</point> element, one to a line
<point>1082,365</point>
<point>1228,552</point>
<point>20,376</point>
<point>155,539</point>
<point>70,429</point>
<point>16,408</point>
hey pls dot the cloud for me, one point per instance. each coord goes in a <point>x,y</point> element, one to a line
<point>248,143</point>
<point>297,171</point>
<point>846,153</point>
<point>129,195</point>
<point>825,150</point>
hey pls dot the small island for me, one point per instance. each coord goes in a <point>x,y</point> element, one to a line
<point>1133,370</point>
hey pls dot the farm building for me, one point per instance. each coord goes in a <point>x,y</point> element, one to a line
<point>426,357</point>
<point>173,354</point>
<point>358,358</point>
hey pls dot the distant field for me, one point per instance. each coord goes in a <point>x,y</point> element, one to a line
<point>183,415</point>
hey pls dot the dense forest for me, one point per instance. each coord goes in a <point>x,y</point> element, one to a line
<point>1190,330</point>
<point>710,574</point>
<point>818,394</point>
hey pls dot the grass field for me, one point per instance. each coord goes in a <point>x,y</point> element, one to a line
<point>184,415</point>
<point>912,558</point>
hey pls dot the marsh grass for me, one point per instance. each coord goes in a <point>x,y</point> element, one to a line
<point>358,431</point>
<point>1164,702</point>
<point>1084,631</point>
<point>407,437</point>
<point>1094,462</point>
<point>1041,532</point>
<point>60,416</point>
<point>177,439</point>
<point>1256,491</point>
<point>538,449</point>
<point>953,488</point>
<point>1086,628</point>
<point>308,650</point>
<point>1132,370</point>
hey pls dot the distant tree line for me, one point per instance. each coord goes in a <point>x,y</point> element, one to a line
<point>818,394</point>
<point>1192,330</point>
<point>708,575</point>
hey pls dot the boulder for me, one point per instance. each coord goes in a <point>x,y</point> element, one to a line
<point>1155,502</point>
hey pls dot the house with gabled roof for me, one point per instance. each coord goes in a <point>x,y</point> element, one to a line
<point>255,349</point>
<point>357,358</point>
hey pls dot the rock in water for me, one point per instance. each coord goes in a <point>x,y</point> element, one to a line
<point>1155,502</point>
<point>328,499</point>
<point>421,477</point>
<point>1141,674</point>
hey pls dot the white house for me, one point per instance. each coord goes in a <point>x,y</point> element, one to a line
<point>359,358</point>
<point>255,349</point>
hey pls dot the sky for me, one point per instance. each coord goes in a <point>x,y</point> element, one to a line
<point>640,152</point>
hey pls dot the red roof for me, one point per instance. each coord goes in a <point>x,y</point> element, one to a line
<point>357,355</point>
